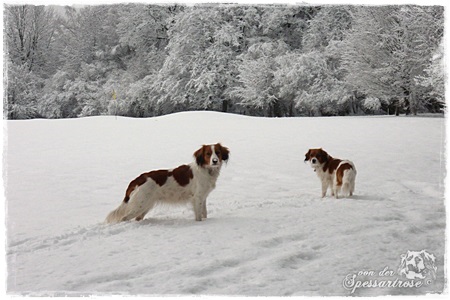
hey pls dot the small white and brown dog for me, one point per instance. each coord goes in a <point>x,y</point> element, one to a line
<point>187,183</point>
<point>334,173</point>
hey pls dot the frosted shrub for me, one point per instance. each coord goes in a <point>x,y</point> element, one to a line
<point>372,104</point>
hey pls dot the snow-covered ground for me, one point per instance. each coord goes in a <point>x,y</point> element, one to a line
<point>268,233</point>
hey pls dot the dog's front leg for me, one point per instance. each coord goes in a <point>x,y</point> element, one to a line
<point>324,188</point>
<point>198,208</point>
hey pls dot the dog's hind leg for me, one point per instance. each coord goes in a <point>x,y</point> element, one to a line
<point>337,190</point>
<point>352,187</point>
<point>346,190</point>
<point>141,216</point>
<point>349,182</point>
<point>204,210</point>
<point>142,211</point>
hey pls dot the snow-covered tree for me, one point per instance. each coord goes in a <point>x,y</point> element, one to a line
<point>434,80</point>
<point>67,97</point>
<point>28,39</point>
<point>29,34</point>
<point>388,47</point>
<point>256,89</point>
<point>22,92</point>
<point>307,80</point>
<point>331,23</point>
<point>143,36</point>
<point>203,44</point>
<point>324,37</point>
<point>88,35</point>
<point>372,105</point>
<point>286,23</point>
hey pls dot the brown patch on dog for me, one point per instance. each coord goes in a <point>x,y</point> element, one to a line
<point>133,184</point>
<point>340,172</point>
<point>200,156</point>
<point>159,176</point>
<point>331,165</point>
<point>183,174</point>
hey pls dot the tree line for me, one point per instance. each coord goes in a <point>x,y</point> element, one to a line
<point>145,60</point>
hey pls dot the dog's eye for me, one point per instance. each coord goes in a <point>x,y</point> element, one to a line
<point>218,153</point>
<point>208,154</point>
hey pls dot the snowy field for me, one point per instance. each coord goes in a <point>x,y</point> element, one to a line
<point>268,233</point>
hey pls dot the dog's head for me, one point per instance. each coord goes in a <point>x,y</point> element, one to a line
<point>211,156</point>
<point>417,264</point>
<point>316,157</point>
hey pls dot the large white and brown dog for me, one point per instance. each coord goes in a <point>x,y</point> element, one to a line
<point>187,183</point>
<point>334,173</point>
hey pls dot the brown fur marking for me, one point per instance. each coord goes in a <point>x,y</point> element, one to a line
<point>221,151</point>
<point>159,176</point>
<point>133,184</point>
<point>183,174</point>
<point>200,156</point>
<point>331,165</point>
<point>340,172</point>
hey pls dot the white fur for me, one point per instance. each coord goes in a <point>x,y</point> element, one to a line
<point>146,196</point>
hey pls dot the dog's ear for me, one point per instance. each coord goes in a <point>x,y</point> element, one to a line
<point>429,263</point>
<point>308,155</point>
<point>224,152</point>
<point>322,156</point>
<point>199,157</point>
<point>428,259</point>
<point>427,255</point>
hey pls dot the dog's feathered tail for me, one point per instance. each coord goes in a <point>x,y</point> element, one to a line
<point>117,215</point>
